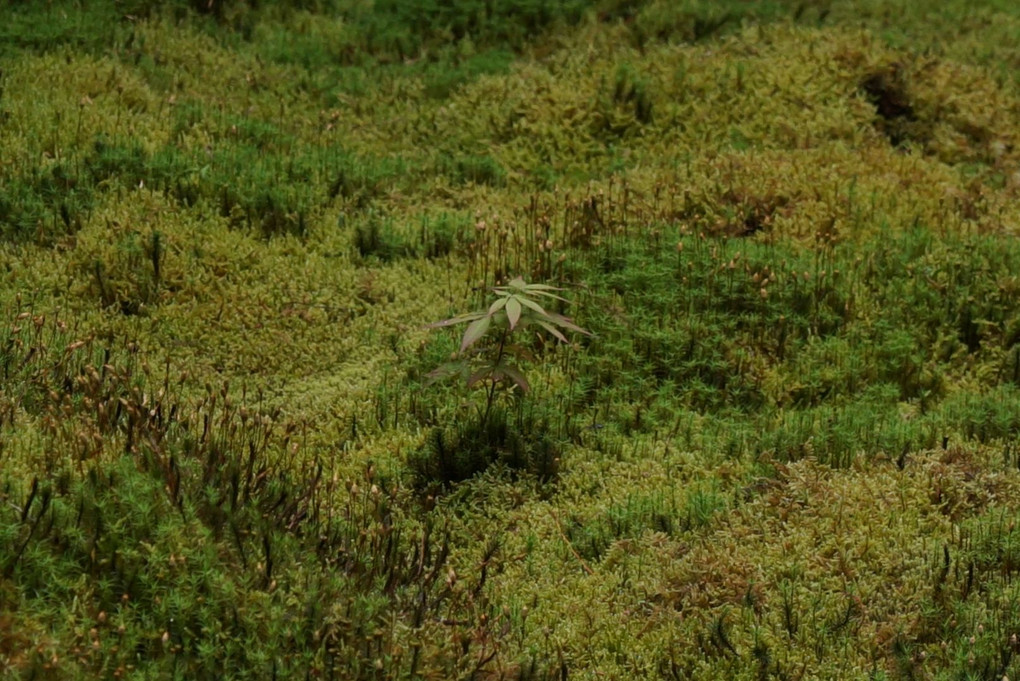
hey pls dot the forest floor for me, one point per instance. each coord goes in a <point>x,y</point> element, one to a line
<point>775,439</point>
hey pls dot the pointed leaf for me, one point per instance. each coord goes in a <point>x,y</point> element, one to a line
<point>459,319</point>
<point>532,304</point>
<point>446,370</point>
<point>519,352</point>
<point>478,376</point>
<point>552,329</point>
<point>515,375</point>
<point>498,305</point>
<point>474,331</point>
<point>513,311</point>
<point>566,323</point>
<point>549,295</point>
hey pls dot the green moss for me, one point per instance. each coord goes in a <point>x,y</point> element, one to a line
<point>789,448</point>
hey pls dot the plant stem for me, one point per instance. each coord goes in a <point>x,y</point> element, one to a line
<point>492,385</point>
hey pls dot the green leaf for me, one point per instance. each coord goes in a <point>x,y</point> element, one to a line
<point>513,311</point>
<point>459,319</point>
<point>480,375</point>
<point>552,329</point>
<point>532,304</point>
<point>498,305</point>
<point>550,295</point>
<point>566,323</point>
<point>474,331</point>
<point>444,371</point>
<point>515,375</point>
<point>519,352</point>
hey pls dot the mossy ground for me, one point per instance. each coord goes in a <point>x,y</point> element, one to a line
<point>789,450</point>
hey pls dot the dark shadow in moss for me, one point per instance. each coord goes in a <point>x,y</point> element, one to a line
<point>888,91</point>
<point>521,442</point>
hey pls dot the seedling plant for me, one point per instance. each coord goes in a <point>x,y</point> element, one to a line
<point>492,347</point>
